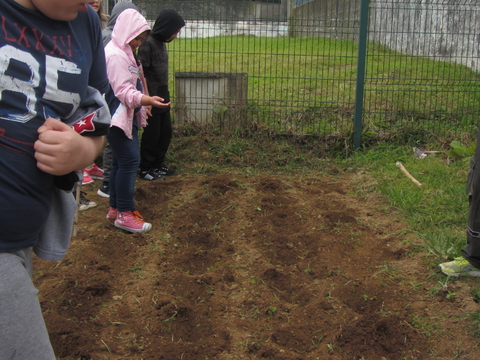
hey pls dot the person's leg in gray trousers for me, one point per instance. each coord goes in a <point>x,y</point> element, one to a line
<point>107,161</point>
<point>23,334</point>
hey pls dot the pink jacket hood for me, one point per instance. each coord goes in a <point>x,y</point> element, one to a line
<point>123,71</point>
<point>130,23</point>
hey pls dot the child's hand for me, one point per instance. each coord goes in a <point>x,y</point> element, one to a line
<point>149,110</point>
<point>157,101</point>
<point>60,150</point>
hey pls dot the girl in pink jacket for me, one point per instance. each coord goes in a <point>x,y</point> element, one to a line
<point>129,105</point>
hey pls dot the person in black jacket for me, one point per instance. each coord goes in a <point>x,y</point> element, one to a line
<point>157,134</point>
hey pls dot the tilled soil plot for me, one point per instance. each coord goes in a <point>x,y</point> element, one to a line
<point>252,267</point>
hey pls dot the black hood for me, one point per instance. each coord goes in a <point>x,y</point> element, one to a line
<point>168,23</point>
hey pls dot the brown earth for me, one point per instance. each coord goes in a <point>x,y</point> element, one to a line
<point>253,267</point>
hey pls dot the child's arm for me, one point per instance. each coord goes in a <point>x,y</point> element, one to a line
<point>60,150</point>
<point>156,101</point>
<point>121,81</point>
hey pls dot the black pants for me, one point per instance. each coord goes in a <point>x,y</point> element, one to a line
<point>155,141</point>
<point>471,251</point>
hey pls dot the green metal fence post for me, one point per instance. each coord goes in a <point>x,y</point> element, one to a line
<point>360,84</point>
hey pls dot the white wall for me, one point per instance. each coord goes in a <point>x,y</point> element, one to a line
<point>203,29</point>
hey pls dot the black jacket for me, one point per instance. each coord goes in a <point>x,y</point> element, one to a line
<point>153,53</point>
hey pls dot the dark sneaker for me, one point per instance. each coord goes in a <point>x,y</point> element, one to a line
<point>84,203</point>
<point>165,171</point>
<point>149,175</point>
<point>104,190</point>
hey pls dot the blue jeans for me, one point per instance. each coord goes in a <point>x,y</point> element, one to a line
<point>126,159</point>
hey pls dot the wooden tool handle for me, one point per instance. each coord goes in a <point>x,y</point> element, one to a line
<point>405,171</point>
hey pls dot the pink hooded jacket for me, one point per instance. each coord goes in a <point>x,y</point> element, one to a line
<point>123,71</point>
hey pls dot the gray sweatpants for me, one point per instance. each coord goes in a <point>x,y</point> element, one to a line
<point>23,334</point>
<point>107,161</point>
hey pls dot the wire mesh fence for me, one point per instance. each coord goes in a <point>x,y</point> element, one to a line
<point>425,74</point>
<point>292,66</point>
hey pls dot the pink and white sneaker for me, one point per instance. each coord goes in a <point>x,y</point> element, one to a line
<point>112,213</point>
<point>86,179</point>
<point>132,221</point>
<point>95,172</point>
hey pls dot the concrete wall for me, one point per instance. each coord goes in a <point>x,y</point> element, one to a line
<point>205,97</point>
<point>203,29</point>
<point>444,30</point>
<point>328,18</point>
<point>218,10</point>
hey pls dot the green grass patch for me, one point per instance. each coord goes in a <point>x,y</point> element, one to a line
<point>436,211</point>
<point>308,85</point>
